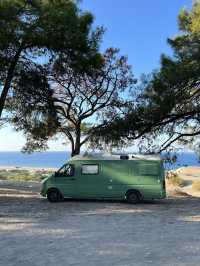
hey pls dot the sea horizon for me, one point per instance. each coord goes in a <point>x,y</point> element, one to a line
<point>55,159</point>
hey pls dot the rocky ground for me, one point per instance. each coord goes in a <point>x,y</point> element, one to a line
<point>34,232</point>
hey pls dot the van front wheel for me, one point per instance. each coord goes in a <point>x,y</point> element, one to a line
<point>133,197</point>
<point>54,195</point>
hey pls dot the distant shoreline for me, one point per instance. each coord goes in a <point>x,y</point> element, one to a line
<point>31,168</point>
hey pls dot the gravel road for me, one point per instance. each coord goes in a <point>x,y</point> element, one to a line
<point>34,232</point>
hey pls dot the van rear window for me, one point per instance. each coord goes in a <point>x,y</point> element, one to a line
<point>90,169</point>
<point>148,169</point>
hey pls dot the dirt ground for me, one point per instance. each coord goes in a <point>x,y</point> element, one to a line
<point>34,232</point>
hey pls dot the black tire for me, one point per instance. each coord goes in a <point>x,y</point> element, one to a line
<point>133,197</point>
<point>54,195</point>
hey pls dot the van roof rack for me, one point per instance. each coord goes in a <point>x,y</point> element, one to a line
<point>114,156</point>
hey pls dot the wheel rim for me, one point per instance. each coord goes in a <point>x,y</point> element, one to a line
<point>133,197</point>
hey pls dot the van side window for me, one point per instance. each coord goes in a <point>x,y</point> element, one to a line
<point>148,169</point>
<point>90,169</point>
<point>66,170</point>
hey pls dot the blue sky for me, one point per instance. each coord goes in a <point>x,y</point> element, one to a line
<point>139,28</point>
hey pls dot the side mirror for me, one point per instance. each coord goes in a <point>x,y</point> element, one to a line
<point>72,171</point>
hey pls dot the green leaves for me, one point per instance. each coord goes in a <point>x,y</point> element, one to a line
<point>168,105</point>
<point>34,32</point>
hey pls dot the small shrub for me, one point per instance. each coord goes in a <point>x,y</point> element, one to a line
<point>174,179</point>
<point>19,171</point>
<point>2,176</point>
<point>196,185</point>
<point>24,175</point>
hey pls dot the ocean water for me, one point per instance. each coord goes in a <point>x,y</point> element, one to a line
<point>183,159</point>
<point>57,159</point>
<point>37,159</point>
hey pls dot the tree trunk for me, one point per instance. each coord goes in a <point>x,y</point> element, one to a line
<point>8,81</point>
<point>77,146</point>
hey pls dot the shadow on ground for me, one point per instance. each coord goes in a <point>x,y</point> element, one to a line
<point>36,232</point>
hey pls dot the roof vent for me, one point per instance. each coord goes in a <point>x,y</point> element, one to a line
<point>124,157</point>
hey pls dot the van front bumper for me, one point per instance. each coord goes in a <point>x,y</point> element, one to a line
<point>43,192</point>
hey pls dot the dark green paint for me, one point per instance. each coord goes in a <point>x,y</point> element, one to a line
<point>114,179</point>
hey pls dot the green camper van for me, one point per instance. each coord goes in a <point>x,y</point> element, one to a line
<point>96,176</point>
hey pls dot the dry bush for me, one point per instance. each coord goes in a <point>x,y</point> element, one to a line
<point>24,175</point>
<point>196,185</point>
<point>174,179</point>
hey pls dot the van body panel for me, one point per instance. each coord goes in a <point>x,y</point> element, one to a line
<point>110,179</point>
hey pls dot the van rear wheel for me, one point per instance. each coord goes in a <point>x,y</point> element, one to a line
<point>133,197</point>
<point>54,195</point>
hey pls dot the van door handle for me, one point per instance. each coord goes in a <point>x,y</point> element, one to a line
<point>72,179</point>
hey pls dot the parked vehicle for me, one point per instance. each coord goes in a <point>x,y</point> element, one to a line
<point>93,176</point>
